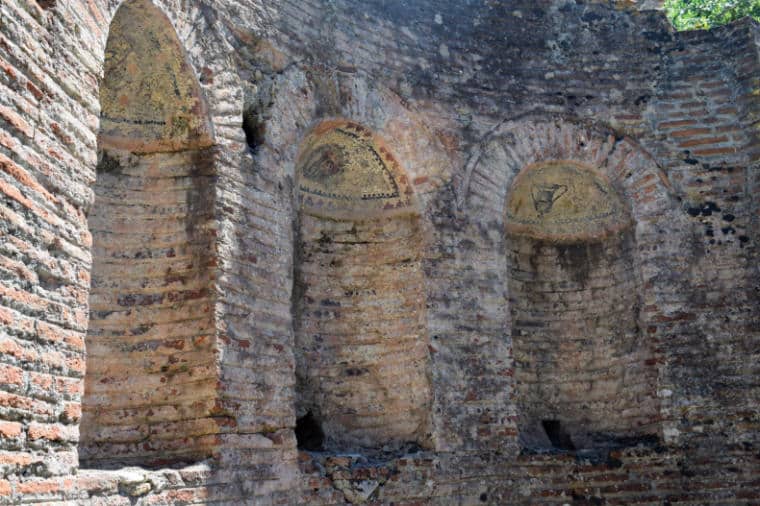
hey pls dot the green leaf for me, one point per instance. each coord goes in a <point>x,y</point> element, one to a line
<point>705,14</point>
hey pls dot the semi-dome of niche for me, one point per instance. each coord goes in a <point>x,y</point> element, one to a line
<point>345,171</point>
<point>150,99</point>
<point>562,201</point>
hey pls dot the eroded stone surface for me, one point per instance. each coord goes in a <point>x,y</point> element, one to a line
<point>466,94</point>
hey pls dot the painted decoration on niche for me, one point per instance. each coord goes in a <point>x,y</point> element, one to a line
<point>150,99</point>
<point>564,200</point>
<point>345,171</point>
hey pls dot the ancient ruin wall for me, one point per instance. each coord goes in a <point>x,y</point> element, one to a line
<point>439,85</point>
<point>362,359</point>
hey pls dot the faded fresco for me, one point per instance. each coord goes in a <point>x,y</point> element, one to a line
<point>150,98</point>
<point>345,170</point>
<point>563,201</point>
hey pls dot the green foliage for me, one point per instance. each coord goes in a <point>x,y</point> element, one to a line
<point>704,14</point>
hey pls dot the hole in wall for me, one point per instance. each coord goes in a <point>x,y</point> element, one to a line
<point>254,128</point>
<point>309,433</point>
<point>108,164</point>
<point>557,435</point>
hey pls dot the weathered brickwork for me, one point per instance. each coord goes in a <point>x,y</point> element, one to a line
<point>582,364</point>
<point>169,297</point>
<point>361,348</point>
<point>151,370</point>
<point>362,358</point>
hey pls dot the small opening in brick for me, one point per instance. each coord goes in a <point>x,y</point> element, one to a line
<point>254,129</point>
<point>557,435</point>
<point>309,433</point>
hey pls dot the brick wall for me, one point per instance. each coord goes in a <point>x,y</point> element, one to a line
<point>633,476</point>
<point>703,121</point>
<point>362,358</point>
<point>465,97</point>
<point>48,118</point>
<point>581,358</point>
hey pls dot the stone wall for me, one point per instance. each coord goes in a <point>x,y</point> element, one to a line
<point>465,96</point>
<point>151,381</point>
<point>150,392</point>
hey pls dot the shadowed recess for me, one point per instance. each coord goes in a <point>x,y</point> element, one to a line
<point>582,364</point>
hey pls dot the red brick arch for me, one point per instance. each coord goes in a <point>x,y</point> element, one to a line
<point>150,393</point>
<point>645,192</point>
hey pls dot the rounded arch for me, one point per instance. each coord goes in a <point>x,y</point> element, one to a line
<point>582,212</point>
<point>344,171</point>
<point>151,383</point>
<point>362,359</point>
<point>150,98</point>
<point>205,55</point>
<point>564,201</point>
<point>516,144</point>
<point>299,106</point>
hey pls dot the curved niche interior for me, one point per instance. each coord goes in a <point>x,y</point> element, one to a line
<point>362,361</point>
<point>150,387</point>
<point>582,366</point>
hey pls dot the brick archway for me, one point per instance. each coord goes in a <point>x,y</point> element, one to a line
<point>574,366</point>
<point>151,383</point>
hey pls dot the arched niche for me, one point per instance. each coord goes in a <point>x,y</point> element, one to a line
<point>580,356</point>
<point>583,213</point>
<point>151,382</point>
<point>362,359</point>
